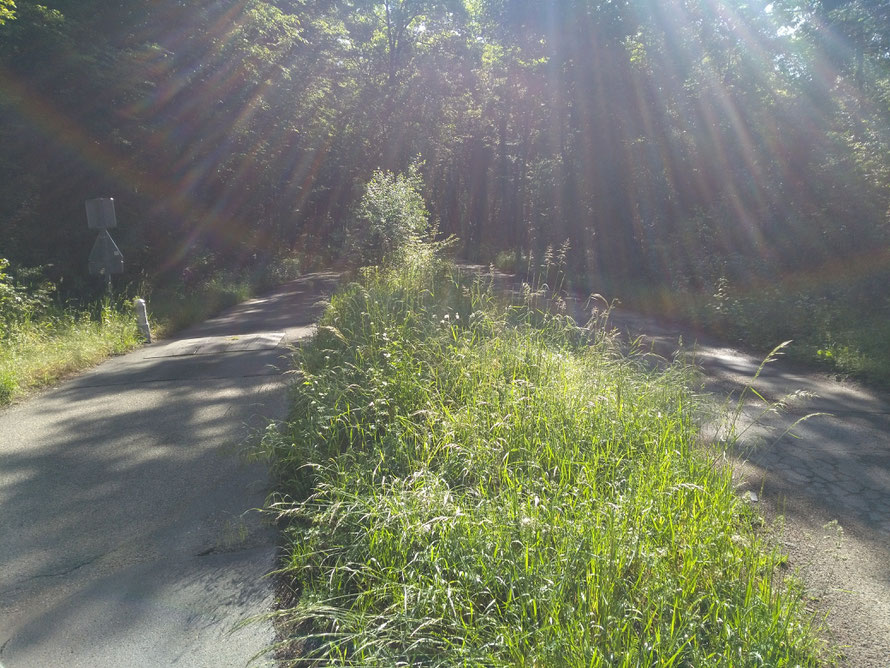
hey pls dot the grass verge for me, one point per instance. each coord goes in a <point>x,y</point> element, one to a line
<point>836,326</point>
<point>831,330</point>
<point>38,353</point>
<point>465,484</point>
<point>40,348</point>
<point>838,323</point>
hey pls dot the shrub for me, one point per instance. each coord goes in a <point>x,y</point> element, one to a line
<point>19,304</point>
<point>390,215</point>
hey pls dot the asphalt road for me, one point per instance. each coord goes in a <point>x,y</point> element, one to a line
<point>126,531</point>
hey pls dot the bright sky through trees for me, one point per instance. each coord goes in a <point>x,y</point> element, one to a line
<point>670,142</point>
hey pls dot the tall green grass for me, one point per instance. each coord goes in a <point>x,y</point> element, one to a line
<point>37,352</point>
<point>467,484</point>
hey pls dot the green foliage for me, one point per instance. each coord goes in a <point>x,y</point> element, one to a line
<point>467,484</point>
<point>840,325</point>
<point>7,11</point>
<point>206,289</point>
<point>390,217</point>
<point>750,140</point>
<point>38,352</point>
<point>42,342</point>
<point>176,307</point>
<point>18,303</point>
<point>276,272</point>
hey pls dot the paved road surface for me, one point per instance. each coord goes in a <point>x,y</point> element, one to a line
<point>123,534</point>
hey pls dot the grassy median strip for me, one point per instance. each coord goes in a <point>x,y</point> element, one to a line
<point>468,484</point>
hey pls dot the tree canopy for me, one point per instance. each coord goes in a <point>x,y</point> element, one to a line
<point>669,142</point>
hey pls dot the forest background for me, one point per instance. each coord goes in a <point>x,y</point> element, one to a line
<point>721,161</point>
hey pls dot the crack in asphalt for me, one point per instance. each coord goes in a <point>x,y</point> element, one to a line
<point>54,574</point>
<point>63,572</point>
<point>191,379</point>
<point>244,546</point>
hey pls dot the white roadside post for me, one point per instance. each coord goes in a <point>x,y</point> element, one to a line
<point>142,319</point>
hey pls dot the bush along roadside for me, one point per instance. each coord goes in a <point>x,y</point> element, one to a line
<point>462,483</point>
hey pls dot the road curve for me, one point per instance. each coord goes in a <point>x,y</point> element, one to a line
<point>126,537</point>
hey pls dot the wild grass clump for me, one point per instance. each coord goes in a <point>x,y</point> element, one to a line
<point>43,339</point>
<point>466,484</point>
<point>175,307</point>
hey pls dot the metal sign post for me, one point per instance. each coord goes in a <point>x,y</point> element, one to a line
<point>105,258</point>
